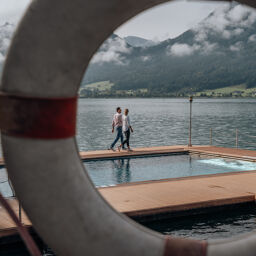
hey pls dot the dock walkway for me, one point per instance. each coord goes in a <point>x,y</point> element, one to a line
<point>169,195</point>
<point>177,195</point>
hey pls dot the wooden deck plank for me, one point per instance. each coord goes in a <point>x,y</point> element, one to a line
<point>5,221</point>
<point>99,154</point>
<point>135,152</point>
<point>184,192</point>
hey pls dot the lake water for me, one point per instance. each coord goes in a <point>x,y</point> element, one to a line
<point>163,121</point>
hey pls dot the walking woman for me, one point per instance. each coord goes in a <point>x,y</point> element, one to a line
<point>126,129</point>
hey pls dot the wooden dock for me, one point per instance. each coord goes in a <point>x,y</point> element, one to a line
<point>104,154</point>
<point>177,195</point>
<point>169,195</point>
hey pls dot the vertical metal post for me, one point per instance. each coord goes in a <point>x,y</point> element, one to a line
<point>190,121</point>
<point>210,136</point>
<point>20,216</point>
<point>236,138</point>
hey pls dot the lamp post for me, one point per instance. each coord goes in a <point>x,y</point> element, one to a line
<point>190,121</point>
<point>236,138</point>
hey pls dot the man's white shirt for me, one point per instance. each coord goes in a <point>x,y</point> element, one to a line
<point>126,123</point>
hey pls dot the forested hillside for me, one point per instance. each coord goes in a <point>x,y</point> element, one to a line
<point>218,52</point>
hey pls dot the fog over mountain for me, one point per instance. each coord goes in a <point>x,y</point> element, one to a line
<point>113,51</point>
<point>136,41</point>
<point>220,51</point>
<point>6,32</point>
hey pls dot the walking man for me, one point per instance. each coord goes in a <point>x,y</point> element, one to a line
<point>127,129</point>
<point>117,124</point>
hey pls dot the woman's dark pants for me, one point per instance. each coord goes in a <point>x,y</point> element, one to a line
<point>127,138</point>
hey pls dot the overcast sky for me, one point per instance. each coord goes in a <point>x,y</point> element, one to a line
<point>165,21</point>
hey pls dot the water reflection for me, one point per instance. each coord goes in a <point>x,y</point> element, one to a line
<point>190,169</point>
<point>121,170</point>
<point>112,172</point>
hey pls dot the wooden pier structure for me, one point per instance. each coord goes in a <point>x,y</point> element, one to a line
<point>168,196</point>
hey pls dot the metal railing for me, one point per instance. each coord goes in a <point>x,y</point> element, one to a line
<point>14,196</point>
<point>237,139</point>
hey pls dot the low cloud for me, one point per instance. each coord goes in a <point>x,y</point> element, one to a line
<point>181,50</point>
<point>112,51</point>
<point>6,33</point>
<point>236,47</point>
<point>146,58</point>
<point>1,58</point>
<point>238,31</point>
<point>226,22</point>
<point>252,38</point>
<point>208,47</point>
<point>4,44</point>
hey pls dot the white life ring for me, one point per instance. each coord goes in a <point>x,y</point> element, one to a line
<point>47,59</point>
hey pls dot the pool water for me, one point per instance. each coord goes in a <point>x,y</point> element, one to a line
<point>111,172</point>
<point>117,171</point>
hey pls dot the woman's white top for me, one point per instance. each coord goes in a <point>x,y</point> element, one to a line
<point>126,123</point>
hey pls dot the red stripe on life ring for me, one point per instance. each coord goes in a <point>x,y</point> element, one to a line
<point>41,118</point>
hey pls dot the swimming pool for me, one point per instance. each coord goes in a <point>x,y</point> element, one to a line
<point>117,171</point>
<point>111,172</point>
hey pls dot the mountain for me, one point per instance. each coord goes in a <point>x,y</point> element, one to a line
<point>136,41</point>
<point>219,52</point>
